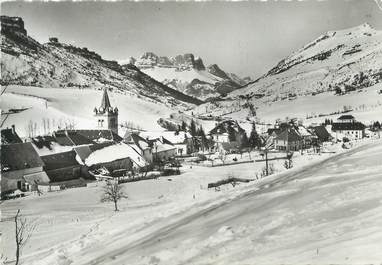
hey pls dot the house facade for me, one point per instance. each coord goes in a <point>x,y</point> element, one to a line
<point>354,130</point>
<point>347,126</point>
<point>18,161</point>
<point>288,140</point>
<point>64,168</point>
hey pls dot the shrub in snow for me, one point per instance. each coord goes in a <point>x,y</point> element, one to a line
<point>113,192</point>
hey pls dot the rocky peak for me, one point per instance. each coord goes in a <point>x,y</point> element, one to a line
<point>149,55</point>
<point>198,64</point>
<point>164,60</point>
<point>186,60</point>
<point>12,24</point>
<point>215,70</point>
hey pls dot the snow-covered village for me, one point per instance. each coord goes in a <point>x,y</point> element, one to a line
<point>171,133</point>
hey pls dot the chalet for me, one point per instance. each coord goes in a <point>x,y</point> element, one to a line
<point>143,146</point>
<point>20,167</point>
<point>308,137</point>
<point>64,169</point>
<point>322,133</point>
<point>116,158</point>
<point>181,140</point>
<point>227,132</point>
<point>163,150</point>
<point>288,140</point>
<point>347,126</point>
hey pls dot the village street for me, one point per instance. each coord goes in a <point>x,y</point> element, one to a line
<point>308,209</point>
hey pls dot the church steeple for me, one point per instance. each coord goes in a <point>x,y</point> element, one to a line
<point>107,117</point>
<point>105,103</point>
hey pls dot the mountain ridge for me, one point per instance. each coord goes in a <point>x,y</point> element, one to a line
<point>350,58</point>
<point>25,61</point>
<point>188,74</point>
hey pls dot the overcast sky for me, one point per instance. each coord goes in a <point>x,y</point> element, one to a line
<point>246,38</point>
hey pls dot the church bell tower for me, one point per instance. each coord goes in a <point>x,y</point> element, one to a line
<point>106,116</point>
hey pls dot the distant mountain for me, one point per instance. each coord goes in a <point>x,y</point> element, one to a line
<point>347,59</point>
<point>187,74</point>
<point>24,61</point>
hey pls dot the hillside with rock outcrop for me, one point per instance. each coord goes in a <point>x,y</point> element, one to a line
<point>188,74</point>
<point>339,71</point>
<point>345,60</point>
<point>25,61</point>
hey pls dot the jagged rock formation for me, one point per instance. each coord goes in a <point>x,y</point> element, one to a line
<point>24,61</point>
<point>189,75</point>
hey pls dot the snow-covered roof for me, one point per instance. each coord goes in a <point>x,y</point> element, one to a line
<point>163,147</point>
<point>303,131</point>
<point>115,152</point>
<point>169,135</point>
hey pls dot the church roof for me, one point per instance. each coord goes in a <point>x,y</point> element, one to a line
<point>105,103</point>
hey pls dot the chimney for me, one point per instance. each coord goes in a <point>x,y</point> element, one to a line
<point>13,129</point>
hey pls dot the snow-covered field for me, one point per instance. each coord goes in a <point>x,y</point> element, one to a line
<point>325,212</point>
<point>160,74</point>
<point>74,105</point>
<point>366,107</point>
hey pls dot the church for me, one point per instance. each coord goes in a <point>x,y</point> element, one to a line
<point>106,116</point>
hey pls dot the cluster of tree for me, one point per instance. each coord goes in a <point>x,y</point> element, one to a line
<point>376,126</point>
<point>198,135</point>
<point>328,122</point>
<point>47,126</point>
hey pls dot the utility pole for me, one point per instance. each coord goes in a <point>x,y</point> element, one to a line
<point>266,161</point>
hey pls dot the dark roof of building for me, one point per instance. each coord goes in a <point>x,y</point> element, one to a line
<point>94,135</point>
<point>62,138</point>
<point>9,136</point>
<point>82,151</point>
<point>289,135</point>
<point>78,139</point>
<point>136,138</point>
<point>346,117</point>
<point>105,103</point>
<point>19,156</point>
<point>348,126</point>
<point>321,133</point>
<point>60,160</point>
<point>270,131</point>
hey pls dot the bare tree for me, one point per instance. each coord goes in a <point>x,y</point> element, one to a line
<point>113,192</point>
<point>23,232</point>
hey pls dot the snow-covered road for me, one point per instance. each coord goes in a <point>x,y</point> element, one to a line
<point>327,213</point>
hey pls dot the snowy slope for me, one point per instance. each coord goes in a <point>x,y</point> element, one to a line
<point>69,105</point>
<point>350,57</point>
<point>188,74</point>
<point>323,213</point>
<point>305,83</point>
<point>26,62</point>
